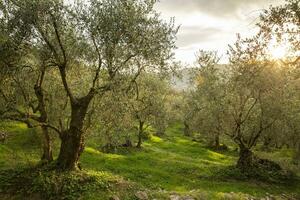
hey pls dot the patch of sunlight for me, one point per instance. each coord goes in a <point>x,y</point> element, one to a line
<point>102,174</point>
<point>215,155</point>
<point>156,139</point>
<point>91,150</point>
<point>209,162</point>
<point>13,126</point>
<point>114,156</point>
<point>182,141</point>
<point>21,126</point>
<point>180,189</point>
<point>106,155</point>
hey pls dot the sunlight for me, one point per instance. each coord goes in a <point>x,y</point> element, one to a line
<point>279,49</point>
<point>149,99</point>
<point>278,52</point>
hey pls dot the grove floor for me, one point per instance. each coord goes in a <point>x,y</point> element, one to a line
<point>167,165</point>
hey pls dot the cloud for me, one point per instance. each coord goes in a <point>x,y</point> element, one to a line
<point>211,24</point>
<point>220,8</point>
<point>195,34</point>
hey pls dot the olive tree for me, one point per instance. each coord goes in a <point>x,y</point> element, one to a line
<point>209,95</point>
<point>253,97</point>
<point>282,24</point>
<point>106,38</point>
<point>22,99</point>
<point>112,123</point>
<point>148,104</point>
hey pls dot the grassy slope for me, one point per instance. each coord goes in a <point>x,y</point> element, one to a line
<point>170,164</point>
<point>22,147</point>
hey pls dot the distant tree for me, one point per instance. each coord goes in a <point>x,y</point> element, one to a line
<point>190,108</point>
<point>147,105</point>
<point>112,122</point>
<point>205,113</point>
<point>210,92</point>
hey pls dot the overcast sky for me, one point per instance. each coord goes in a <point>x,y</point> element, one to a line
<point>211,24</point>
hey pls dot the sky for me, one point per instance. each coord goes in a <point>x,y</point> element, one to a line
<point>211,24</point>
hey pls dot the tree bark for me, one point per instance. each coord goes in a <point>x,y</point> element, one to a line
<point>39,92</point>
<point>140,134</point>
<point>217,140</point>
<point>47,150</point>
<point>72,139</point>
<point>187,131</point>
<point>70,149</point>
<point>246,158</point>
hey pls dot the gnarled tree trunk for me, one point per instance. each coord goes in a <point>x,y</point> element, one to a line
<point>72,139</point>
<point>39,92</point>
<point>246,159</point>
<point>71,147</point>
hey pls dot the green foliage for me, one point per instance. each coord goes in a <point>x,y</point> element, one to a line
<point>49,184</point>
<point>260,173</point>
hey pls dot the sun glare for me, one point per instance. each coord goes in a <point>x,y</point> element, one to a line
<point>278,49</point>
<point>278,52</point>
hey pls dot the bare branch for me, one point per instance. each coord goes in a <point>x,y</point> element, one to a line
<point>63,75</point>
<point>99,62</point>
<point>249,111</point>
<point>59,40</point>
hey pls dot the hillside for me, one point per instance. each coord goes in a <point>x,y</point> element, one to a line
<point>171,167</point>
<point>182,80</point>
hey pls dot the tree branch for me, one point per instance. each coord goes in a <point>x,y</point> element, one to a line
<point>63,75</point>
<point>59,40</point>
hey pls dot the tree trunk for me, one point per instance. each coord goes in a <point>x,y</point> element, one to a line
<point>267,143</point>
<point>71,147</point>
<point>47,150</point>
<point>128,143</point>
<point>187,131</point>
<point>217,141</point>
<point>109,147</point>
<point>140,134</point>
<point>72,139</point>
<point>246,159</point>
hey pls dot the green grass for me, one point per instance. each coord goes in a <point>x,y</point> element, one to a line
<point>175,163</point>
<point>165,165</point>
<point>22,147</point>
